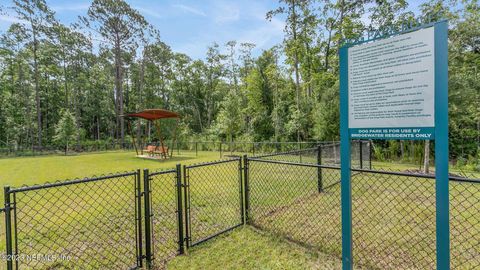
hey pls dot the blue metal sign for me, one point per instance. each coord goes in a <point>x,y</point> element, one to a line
<point>396,88</point>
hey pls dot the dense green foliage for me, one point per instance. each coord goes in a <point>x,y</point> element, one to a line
<point>288,93</point>
<point>66,130</point>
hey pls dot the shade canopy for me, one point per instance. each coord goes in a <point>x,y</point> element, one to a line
<point>153,114</point>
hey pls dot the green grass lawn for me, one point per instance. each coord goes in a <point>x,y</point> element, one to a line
<point>36,170</point>
<point>248,248</point>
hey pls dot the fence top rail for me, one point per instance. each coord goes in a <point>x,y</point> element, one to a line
<point>159,172</point>
<point>71,182</point>
<point>240,142</point>
<point>406,174</point>
<point>212,162</point>
<point>419,175</point>
<point>286,153</point>
<point>312,165</point>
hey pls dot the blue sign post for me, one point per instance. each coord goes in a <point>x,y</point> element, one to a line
<point>396,88</point>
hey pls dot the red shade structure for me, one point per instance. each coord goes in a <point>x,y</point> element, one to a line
<point>153,115</point>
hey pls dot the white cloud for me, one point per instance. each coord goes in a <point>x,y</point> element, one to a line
<point>190,9</point>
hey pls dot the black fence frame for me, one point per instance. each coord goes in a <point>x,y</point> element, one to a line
<point>143,218</point>
<point>188,201</point>
<point>11,224</point>
<point>250,209</point>
<point>182,180</point>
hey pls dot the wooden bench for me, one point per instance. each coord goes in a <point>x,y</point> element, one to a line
<point>153,150</point>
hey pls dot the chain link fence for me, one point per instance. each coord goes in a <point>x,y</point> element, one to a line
<point>213,199</point>
<point>393,213</point>
<point>89,222</point>
<point>52,149</point>
<point>119,221</point>
<point>298,201</point>
<point>165,222</point>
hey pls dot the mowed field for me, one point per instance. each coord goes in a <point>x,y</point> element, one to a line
<point>393,217</point>
<point>37,170</point>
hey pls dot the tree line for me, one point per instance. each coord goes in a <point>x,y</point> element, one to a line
<point>112,61</point>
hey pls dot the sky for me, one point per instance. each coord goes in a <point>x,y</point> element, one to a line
<point>190,26</point>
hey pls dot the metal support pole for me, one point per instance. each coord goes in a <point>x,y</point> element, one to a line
<point>240,182</point>
<point>300,152</point>
<point>360,153</point>
<point>370,147</point>
<point>139,220</point>
<point>181,240</point>
<point>346,188</point>
<point>441,146</point>
<point>148,231</point>
<point>8,228</point>
<point>246,190</point>
<point>221,150</point>
<point>186,198</point>
<point>319,170</point>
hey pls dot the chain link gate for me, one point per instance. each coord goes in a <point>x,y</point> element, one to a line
<point>189,205</point>
<point>213,196</point>
<point>163,216</point>
<point>91,222</point>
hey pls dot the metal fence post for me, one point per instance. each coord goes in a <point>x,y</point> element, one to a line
<point>148,231</point>
<point>221,150</point>
<point>8,228</point>
<point>196,149</point>
<point>139,220</point>
<point>360,153</point>
<point>181,248</point>
<point>186,198</point>
<point>300,152</point>
<point>370,146</point>
<point>319,169</point>
<point>246,188</point>
<point>240,177</point>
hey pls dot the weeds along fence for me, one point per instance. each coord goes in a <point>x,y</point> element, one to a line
<point>393,213</point>
<point>142,219</point>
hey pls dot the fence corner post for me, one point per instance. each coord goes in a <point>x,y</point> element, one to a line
<point>319,169</point>
<point>246,189</point>
<point>148,231</point>
<point>8,228</point>
<point>139,219</point>
<point>181,239</point>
